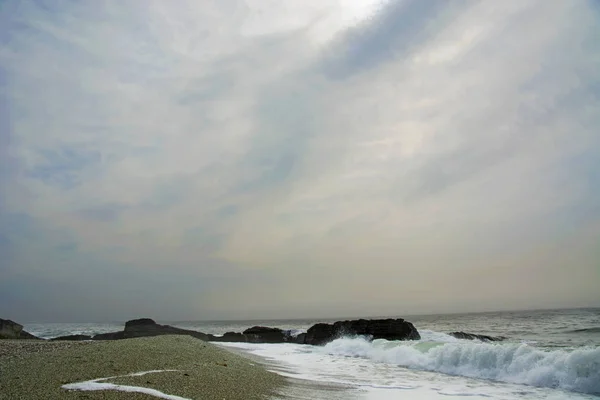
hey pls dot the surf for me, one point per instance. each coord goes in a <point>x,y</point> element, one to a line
<point>519,363</point>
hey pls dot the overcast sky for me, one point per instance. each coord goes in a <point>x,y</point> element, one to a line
<point>300,158</point>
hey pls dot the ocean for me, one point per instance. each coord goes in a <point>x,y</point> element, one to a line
<point>548,354</point>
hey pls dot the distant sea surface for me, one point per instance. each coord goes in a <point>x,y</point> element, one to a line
<point>549,354</point>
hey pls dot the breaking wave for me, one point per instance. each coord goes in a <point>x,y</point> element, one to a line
<point>576,370</point>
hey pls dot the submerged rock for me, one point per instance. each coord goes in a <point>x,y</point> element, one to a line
<point>389,329</point>
<point>473,336</point>
<point>11,330</point>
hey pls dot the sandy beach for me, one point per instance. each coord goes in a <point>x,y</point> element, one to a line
<point>191,369</point>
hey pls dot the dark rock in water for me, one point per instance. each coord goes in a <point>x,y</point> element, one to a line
<point>144,327</point>
<point>299,339</point>
<point>72,337</point>
<point>263,334</point>
<point>259,334</point>
<point>229,337</point>
<point>389,329</point>
<point>140,323</point>
<point>262,330</point>
<point>473,336</point>
<point>320,334</point>
<point>11,330</point>
<point>147,327</point>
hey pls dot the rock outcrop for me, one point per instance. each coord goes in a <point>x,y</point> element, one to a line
<point>147,327</point>
<point>11,330</point>
<point>299,339</point>
<point>473,336</point>
<point>263,334</point>
<point>389,329</point>
<point>229,337</point>
<point>109,336</point>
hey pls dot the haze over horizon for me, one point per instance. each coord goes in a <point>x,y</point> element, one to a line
<point>262,159</point>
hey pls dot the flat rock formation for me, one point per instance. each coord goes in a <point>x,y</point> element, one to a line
<point>389,329</point>
<point>145,327</point>
<point>11,330</point>
<point>473,336</point>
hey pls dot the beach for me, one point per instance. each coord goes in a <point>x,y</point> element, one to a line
<point>546,354</point>
<point>189,369</point>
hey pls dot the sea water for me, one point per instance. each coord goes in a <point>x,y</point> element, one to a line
<point>551,354</point>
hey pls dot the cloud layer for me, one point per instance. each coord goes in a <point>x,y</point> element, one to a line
<point>319,158</point>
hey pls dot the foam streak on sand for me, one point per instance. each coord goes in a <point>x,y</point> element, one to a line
<point>98,384</point>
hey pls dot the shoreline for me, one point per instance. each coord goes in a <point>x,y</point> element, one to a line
<point>299,388</point>
<point>189,369</point>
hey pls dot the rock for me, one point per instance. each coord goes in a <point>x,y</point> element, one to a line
<point>11,330</point>
<point>26,335</point>
<point>260,334</point>
<point>140,323</point>
<point>320,334</point>
<point>109,336</point>
<point>263,334</point>
<point>72,337</point>
<point>147,327</point>
<point>229,337</point>
<point>389,329</point>
<point>299,339</point>
<point>473,336</point>
<point>144,327</point>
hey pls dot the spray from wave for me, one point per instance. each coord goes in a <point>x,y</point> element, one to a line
<point>577,370</point>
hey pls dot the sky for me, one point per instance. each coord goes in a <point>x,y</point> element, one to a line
<point>302,158</point>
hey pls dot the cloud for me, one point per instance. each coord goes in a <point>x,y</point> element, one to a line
<point>305,151</point>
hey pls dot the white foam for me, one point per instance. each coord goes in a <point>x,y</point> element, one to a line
<point>577,370</point>
<point>439,337</point>
<point>294,332</point>
<point>99,384</point>
<point>374,370</point>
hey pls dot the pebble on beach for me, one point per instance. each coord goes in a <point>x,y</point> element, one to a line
<point>198,370</point>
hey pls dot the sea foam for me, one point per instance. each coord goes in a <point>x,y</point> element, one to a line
<point>100,384</point>
<point>573,370</point>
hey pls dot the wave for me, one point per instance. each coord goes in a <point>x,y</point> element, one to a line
<point>294,332</point>
<point>577,370</point>
<point>586,330</point>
